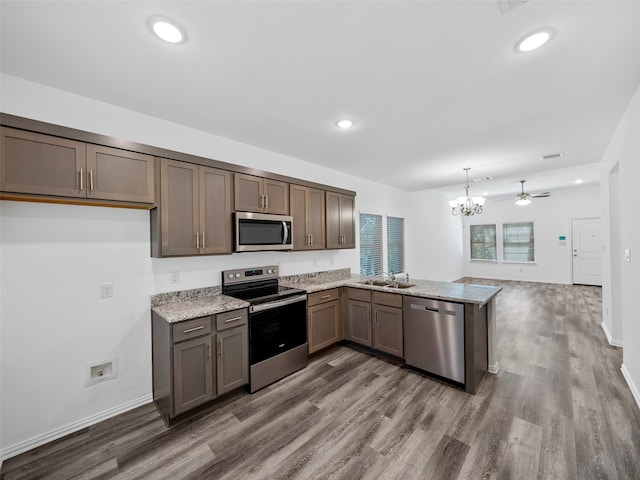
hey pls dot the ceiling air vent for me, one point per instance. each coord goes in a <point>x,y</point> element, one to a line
<point>552,156</point>
<point>507,5</point>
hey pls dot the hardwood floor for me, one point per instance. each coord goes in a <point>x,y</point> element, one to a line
<point>558,409</point>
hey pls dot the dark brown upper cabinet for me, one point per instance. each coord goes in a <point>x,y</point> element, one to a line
<point>340,220</point>
<point>308,212</point>
<point>37,164</point>
<point>193,216</point>
<point>261,195</point>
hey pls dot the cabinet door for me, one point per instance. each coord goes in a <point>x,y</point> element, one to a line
<point>179,207</point>
<point>248,193</point>
<point>42,165</point>
<point>299,208</point>
<point>215,210</point>
<point>192,374</point>
<point>315,218</point>
<point>334,234</point>
<point>359,322</point>
<point>233,359</point>
<point>114,174</point>
<point>348,226</point>
<point>276,197</point>
<point>324,328</point>
<point>387,335</point>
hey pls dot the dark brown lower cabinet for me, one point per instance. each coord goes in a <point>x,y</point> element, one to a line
<point>374,319</point>
<point>192,374</point>
<point>387,323</point>
<point>197,360</point>
<point>324,319</point>
<point>233,359</point>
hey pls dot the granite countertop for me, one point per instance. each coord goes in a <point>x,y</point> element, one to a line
<point>188,304</point>
<point>200,302</point>
<point>455,292</point>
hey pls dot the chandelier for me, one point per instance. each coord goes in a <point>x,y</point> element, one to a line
<point>467,205</point>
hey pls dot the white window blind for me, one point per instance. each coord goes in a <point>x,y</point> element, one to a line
<point>370,244</point>
<point>395,244</point>
<point>518,242</point>
<point>483,242</point>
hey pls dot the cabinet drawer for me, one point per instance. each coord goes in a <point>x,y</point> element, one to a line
<point>230,319</point>
<point>323,297</point>
<point>388,299</point>
<point>359,294</point>
<point>191,329</point>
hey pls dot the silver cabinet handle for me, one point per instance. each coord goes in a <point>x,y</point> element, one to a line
<point>220,348</point>
<point>194,329</point>
<point>91,180</point>
<point>266,201</point>
<point>233,319</point>
<point>325,296</point>
<point>209,347</point>
<point>81,177</point>
<point>197,240</point>
<point>311,239</point>
<point>202,239</point>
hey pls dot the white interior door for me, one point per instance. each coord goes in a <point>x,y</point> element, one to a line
<point>586,235</point>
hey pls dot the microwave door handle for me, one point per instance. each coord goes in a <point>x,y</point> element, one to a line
<point>286,233</point>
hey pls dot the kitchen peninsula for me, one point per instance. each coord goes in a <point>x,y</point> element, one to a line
<point>369,312</point>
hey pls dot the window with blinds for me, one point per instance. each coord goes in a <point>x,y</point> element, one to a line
<point>370,244</point>
<point>483,242</point>
<point>518,242</point>
<point>395,244</point>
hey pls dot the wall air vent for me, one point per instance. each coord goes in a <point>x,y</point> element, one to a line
<point>552,156</point>
<point>507,5</point>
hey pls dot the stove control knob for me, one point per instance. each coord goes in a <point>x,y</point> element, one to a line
<point>230,275</point>
<point>269,271</point>
<point>237,275</point>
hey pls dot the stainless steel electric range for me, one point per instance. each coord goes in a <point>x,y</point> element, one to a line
<point>277,323</point>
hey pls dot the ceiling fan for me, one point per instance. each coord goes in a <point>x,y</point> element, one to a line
<point>524,198</point>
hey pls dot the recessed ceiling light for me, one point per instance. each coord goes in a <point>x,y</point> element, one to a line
<point>534,40</point>
<point>344,124</point>
<point>166,29</point>
<point>578,182</point>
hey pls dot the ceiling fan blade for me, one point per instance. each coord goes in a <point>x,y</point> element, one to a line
<point>541,195</point>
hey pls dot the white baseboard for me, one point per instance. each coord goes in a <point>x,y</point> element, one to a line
<point>495,368</point>
<point>632,386</point>
<point>33,442</point>
<point>612,342</point>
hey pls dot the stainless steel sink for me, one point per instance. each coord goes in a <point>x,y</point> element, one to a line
<point>382,283</point>
<point>401,285</point>
<point>377,283</point>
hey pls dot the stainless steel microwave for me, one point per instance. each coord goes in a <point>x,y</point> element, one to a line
<point>260,231</point>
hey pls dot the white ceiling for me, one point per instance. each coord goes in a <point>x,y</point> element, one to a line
<point>433,86</point>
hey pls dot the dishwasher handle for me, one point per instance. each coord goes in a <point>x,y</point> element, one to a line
<point>422,308</point>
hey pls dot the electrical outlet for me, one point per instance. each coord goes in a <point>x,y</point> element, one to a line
<point>175,277</point>
<point>106,290</point>
<point>101,371</point>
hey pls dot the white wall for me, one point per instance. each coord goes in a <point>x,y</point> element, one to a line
<point>54,257</point>
<point>552,218</point>
<point>436,235</point>
<point>620,185</point>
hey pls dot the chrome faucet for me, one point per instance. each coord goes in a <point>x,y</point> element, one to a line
<point>391,275</point>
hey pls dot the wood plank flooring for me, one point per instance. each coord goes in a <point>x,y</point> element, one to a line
<point>558,409</point>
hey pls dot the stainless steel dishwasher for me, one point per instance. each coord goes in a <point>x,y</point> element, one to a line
<point>434,337</point>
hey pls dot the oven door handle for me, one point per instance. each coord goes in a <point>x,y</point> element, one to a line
<point>279,303</point>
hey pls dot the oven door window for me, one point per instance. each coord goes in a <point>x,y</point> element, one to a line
<point>277,330</point>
